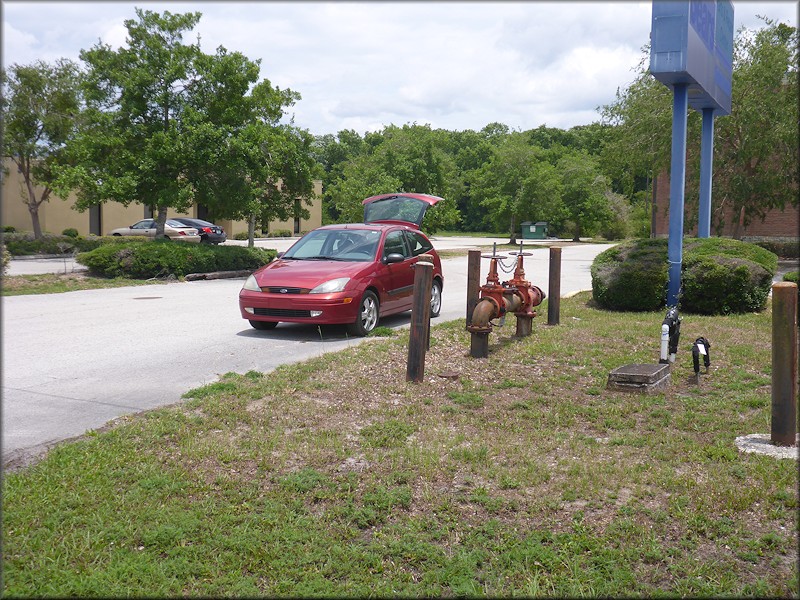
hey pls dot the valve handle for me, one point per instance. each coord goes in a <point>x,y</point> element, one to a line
<point>521,253</point>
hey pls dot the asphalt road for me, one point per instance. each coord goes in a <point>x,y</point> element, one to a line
<point>72,362</point>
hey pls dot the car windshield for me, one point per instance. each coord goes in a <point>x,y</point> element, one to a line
<point>351,245</point>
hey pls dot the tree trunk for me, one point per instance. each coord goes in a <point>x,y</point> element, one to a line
<point>737,229</point>
<point>251,230</point>
<point>577,237</point>
<point>161,220</point>
<point>33,204</point>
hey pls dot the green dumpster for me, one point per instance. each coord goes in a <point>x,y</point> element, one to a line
<point>534,231</point>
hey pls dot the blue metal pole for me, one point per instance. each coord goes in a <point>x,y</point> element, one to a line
<point>706,162</point>
<point>677,182</point>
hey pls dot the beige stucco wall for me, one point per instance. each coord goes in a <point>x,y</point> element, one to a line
<point>58,214</point>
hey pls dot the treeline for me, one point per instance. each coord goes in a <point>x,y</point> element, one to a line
<point>492,180</point>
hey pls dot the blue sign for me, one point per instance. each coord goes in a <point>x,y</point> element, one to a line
<point>692,43</point>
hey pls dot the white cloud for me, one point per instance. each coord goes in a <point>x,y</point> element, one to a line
<point>363,65</point>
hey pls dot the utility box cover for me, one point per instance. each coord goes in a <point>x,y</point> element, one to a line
<point>534,231</point>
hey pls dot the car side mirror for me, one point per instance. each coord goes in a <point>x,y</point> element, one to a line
<point>392,258</point>
<point>279,254</point>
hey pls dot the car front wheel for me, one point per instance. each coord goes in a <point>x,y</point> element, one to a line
<point>263,325</point>
<point>367,318</point>
<point>436,299</point>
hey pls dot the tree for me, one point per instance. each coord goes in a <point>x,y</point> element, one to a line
<point>584,192</point>
<point>518,184</point>
<point>166,125</point>
<point>399,159</point>
<point>756,146</point>
<point>40,106</point>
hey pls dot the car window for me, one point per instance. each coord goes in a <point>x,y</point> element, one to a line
<point>395,244</point>
<point>419,243</point>
<point>174,223</point>
<point>146,224</point>
<point>352,245</point>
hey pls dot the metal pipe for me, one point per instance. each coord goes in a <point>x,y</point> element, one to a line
<point>485,311</point>
<point>784,364</point>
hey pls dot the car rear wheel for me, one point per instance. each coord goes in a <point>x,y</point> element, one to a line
<point>367,318</point>
<point>263,325</point>
<point>436,299</point>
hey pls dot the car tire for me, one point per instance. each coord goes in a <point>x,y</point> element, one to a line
<point>263,325</point>
<point>367,317</point>
<point>436,298</point>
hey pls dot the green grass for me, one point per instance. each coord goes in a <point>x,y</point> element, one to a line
<point>23,285</point>
<point>524,476</point>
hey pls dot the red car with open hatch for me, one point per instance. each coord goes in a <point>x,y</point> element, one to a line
<point>349,274</point>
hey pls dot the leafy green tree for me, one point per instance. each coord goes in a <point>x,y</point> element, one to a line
<point>584,193</point>
<point>40,106</point>
<point>167,126</point>
<point>757,145</point>
<point>399,159</point>
<point>518,184</point>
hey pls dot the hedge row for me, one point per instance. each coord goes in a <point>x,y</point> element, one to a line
<point>166,258</point>
<point>25,244</point>
<point>719,276</point>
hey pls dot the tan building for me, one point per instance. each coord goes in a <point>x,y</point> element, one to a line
<point>58,214</point>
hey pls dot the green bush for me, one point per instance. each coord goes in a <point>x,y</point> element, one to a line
<point>242,235</point>
<point>22,244</point>
<point>164,258</point>
<point>792,276</point>
<point>631,276</point>
<point>4,258</point>
<point>70,232</point>
<point>785,248</point>
<point>9,229</point>
<point>719,276</point>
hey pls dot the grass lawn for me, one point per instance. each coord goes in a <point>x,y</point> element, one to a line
<point>519,474</point>
<point>56,283</point>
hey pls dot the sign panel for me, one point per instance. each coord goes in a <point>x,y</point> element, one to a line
<point>692,43</point>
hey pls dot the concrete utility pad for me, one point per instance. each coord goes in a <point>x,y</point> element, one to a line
<point>647,379</point>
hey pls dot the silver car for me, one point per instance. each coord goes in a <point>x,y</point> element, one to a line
<point>173,229</point>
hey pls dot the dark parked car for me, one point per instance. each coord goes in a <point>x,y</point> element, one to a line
<point>352,273</point>
<point>209,233</point>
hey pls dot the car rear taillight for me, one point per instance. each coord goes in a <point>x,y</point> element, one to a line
<point>207,229</point>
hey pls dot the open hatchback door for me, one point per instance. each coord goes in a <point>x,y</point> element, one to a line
<point>399,208</point>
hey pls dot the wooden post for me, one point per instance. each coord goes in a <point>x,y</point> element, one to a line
<point>784,364</point>
<point>420,322</point>
<point>524,326</point>
<point>554,289</point>
<point>473,282</point>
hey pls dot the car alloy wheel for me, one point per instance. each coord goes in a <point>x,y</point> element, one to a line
<point>368,313</point>
<point>436,298</point>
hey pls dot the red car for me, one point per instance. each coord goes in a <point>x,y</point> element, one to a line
<point>353,273</point>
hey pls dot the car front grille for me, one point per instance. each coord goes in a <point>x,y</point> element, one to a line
<point>281,312</point>
<point>284,290</point>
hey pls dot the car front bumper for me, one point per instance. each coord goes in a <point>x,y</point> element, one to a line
<point>341,307</point>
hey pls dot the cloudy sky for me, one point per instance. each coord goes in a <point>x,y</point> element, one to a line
<point>364,65</point>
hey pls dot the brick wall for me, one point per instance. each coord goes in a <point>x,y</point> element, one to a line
<point>778,223</point>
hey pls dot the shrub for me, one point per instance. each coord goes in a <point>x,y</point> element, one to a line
<point>70,232</point>
<point>21,244</point>
<point>4,258</point>
<point>783,247</point>
<point>631,276</point>
<point>719,276</point>
<point>9,229</point>
<point>242,235</point>
<point>792,276</point>
<point>164,258</point>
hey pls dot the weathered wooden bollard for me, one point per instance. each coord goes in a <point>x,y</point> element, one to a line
<point>784,364</point>
<point>554,289</point>
<point>473,282</point>
<point>419,337</point>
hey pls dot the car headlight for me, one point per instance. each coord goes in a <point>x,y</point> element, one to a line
<point>251,284</point>
<point>329,287</point>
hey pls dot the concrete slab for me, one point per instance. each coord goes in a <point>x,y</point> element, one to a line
<point>641,378</point>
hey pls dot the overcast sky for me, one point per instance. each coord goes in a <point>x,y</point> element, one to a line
<point>364,65</point>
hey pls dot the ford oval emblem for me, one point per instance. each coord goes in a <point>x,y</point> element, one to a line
<point>284,291</point>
